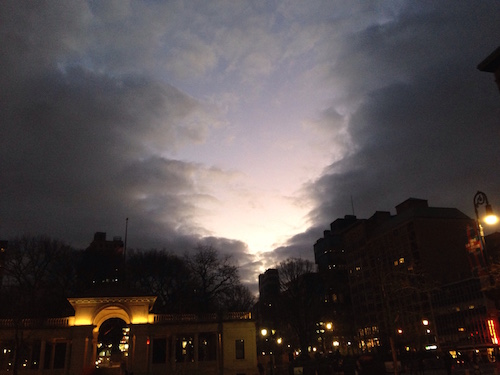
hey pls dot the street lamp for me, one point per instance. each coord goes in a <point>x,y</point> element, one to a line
<point>271,342</point>
<point>490,218</point>
<point>479,199</point>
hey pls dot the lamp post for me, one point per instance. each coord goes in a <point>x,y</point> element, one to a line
<point>490,218</point>
<point>487,277</point>
<point>272,342</point>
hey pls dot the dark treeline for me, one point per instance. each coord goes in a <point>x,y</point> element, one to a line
<point>38,273</point>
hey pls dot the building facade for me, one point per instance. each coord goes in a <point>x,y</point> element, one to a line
<point>118,334</point>
<point>410,279</point>
<point>331,259</point>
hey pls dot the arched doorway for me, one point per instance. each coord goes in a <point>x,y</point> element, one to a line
<point>113,343</point>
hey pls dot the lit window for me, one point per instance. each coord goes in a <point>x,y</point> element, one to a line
<point>401,260</point>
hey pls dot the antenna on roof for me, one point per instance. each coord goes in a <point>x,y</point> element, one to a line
<point>352,206</point>
<point>125,244</point>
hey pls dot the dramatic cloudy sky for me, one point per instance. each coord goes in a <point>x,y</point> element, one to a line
<point>247,125</point>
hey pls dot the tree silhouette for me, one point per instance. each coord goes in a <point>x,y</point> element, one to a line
<point>163,274</point>
<point>212,276</point>
<point>200,282</point>
<point>37,276</point>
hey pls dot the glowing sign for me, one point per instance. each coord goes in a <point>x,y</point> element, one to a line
<point>493,331</point>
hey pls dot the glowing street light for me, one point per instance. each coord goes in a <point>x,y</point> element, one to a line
<point>490,218</point>
<point>481,199</point>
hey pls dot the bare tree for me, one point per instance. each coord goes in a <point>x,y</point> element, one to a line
<point>162,274</point>
<point>406,298</point>
<point>212,277</point>
<point>37,275</point>
<point>238,298</point>
<point>39,269</point>
<point>203,281</point>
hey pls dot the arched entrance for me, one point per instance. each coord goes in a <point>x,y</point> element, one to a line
<point>113,343</point>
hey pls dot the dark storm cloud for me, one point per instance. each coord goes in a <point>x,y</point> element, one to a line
<point>78,146</point>
<point>90,127</point>
<point>427,122</point>
<point>427,126</point>
<point>299,246</point>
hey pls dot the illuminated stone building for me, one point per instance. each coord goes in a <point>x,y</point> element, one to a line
<point>111,334</point>
<point>110,329</point>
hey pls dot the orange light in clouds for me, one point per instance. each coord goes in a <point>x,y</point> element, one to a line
<point>493,331</point>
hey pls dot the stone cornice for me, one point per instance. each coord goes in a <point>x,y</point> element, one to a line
<point>100,300</point>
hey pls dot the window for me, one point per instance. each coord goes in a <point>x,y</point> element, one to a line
<point>240,349</point>
<point>59,355</point>
<point>48,355</point>
<point>159,350</point>
<point>207,347</point>
<point>184,349</point>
